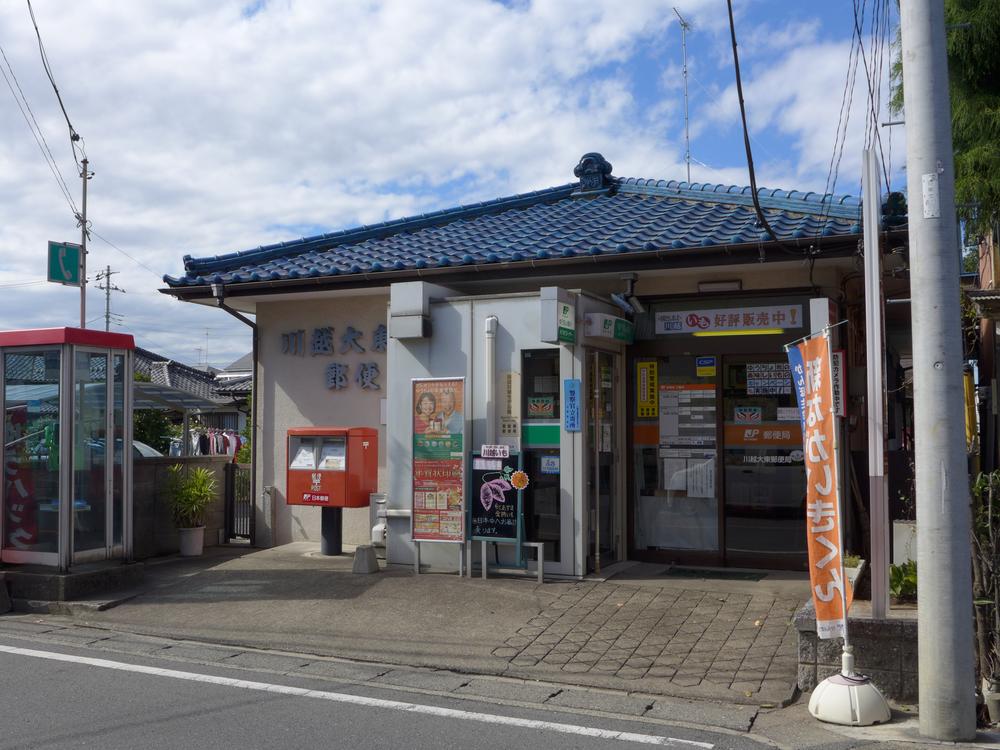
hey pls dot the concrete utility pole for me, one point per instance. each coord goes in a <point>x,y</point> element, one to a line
<point>108,287</point>
<point>83,245</point>
<point>944,575</point>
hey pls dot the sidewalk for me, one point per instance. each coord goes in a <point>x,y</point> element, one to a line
<point>728,641</point>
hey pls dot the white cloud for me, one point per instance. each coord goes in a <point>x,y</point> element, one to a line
<point>211,131</point>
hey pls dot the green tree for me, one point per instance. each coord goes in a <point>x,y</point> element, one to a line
<point>151,426</point>
<point>245,453</point>
<point>974,73</point>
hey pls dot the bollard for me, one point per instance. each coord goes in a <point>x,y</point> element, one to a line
<point>364,560</point>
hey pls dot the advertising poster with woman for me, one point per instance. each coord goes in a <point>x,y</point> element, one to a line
<point>438,460</point>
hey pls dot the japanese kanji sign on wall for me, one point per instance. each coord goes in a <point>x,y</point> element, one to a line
<point>811,375</point>
<point>356,356</point>
<point>438,460</point>
<point>733,319</point>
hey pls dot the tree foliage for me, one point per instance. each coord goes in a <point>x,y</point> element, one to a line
<point>974,74</point>
<point>151,426</point>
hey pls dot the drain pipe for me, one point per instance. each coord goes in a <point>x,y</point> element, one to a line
<point>219,292</point>
<point>492,322</point>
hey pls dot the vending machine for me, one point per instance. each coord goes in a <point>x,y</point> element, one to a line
<point>332,467</point>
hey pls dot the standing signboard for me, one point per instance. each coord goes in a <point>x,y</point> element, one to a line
<point>812,377</point>
<point>495,503</point>
<point>438,460</point>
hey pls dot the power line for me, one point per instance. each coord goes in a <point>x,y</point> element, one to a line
<point>746,142</point>
<point>36,131</point>
<point>135,260</point>
<point>23,283</point>
<point>74,137</point>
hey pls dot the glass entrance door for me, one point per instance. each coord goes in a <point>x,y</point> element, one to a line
<point>674,438</point>
<point>93,457</point>
<point>764,469</point>
<point>602,440</point>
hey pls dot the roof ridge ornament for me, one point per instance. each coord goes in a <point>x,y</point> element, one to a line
<point>594,172</point>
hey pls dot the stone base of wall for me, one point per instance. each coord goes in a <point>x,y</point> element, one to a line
<point>885,650</point>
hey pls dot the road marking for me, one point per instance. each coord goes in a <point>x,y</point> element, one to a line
<point>358,700</point>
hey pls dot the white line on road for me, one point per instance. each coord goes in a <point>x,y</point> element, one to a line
<point>358,700</point>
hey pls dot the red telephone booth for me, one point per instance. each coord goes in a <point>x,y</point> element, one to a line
<point>66,493</point>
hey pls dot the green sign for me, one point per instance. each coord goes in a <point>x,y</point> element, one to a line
<point>64,263</point>
<point>624,330</point>
<point>566,322</point>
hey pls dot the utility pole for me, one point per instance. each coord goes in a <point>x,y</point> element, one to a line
<point>108,287</point>
<point>86,175</point>
<point>944,576</point>
<point>684,47</point>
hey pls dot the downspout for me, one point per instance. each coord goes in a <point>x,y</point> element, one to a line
<point>490,381</point>
<point>219,292</point>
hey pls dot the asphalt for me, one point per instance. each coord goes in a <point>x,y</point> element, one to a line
<point>291,609</point>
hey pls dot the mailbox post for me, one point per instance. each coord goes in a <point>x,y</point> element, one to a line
<point>332,468</point>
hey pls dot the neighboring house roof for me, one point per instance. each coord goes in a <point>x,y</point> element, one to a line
<point>599,215</point>
<point>234,388</point>
<point>243,365</point>
<point>164,371</point>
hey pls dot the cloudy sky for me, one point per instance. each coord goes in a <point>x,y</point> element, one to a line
<point>220,126</point>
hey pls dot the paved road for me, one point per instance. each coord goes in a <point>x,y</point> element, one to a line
<point>61,696</point>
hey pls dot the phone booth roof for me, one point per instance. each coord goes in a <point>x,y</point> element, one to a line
<point>80,336</point>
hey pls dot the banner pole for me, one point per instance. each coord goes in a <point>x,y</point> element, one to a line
<point>840,503</point>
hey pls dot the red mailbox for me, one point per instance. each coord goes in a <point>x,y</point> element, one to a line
<point>332,467</point>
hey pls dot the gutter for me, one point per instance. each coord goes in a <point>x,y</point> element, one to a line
<point>219,292</point>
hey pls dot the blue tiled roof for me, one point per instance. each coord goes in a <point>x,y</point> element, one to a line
<point>618,216</point>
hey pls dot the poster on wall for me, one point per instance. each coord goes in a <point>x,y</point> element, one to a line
<point>438,460</point>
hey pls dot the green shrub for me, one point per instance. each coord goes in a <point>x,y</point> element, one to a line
<point>191,493</point>
<point>903,580</point>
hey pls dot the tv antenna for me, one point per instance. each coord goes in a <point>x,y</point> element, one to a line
<point>687,136</point>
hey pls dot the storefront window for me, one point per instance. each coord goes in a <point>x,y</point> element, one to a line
<point>764,470</point>
<point>31,451</point>
<point>540,445</point>
<point>675,455</point>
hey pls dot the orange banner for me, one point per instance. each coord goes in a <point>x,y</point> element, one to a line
<point>832,594</point>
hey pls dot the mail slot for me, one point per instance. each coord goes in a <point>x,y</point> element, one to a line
<point>332,467</point>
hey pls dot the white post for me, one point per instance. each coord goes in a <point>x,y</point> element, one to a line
<point>490,381</point>
<point>875,361</point>
<point>944,577</point>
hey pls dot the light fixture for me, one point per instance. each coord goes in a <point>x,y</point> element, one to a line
<point>623,303</point>
<point>731,285</point>
<point>744,332</point>
<point>627,300</point>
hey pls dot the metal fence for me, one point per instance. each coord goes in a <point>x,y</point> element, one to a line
<point>239,503</point>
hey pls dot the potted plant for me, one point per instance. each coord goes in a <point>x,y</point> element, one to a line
<point>192,491</point>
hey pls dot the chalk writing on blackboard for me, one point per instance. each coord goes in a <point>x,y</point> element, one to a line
<point>496,508</point>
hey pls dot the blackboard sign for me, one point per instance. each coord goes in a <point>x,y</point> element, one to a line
<point>494,500</point>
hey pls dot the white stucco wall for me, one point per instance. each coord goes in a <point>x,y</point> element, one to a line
<point>293,392</point>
